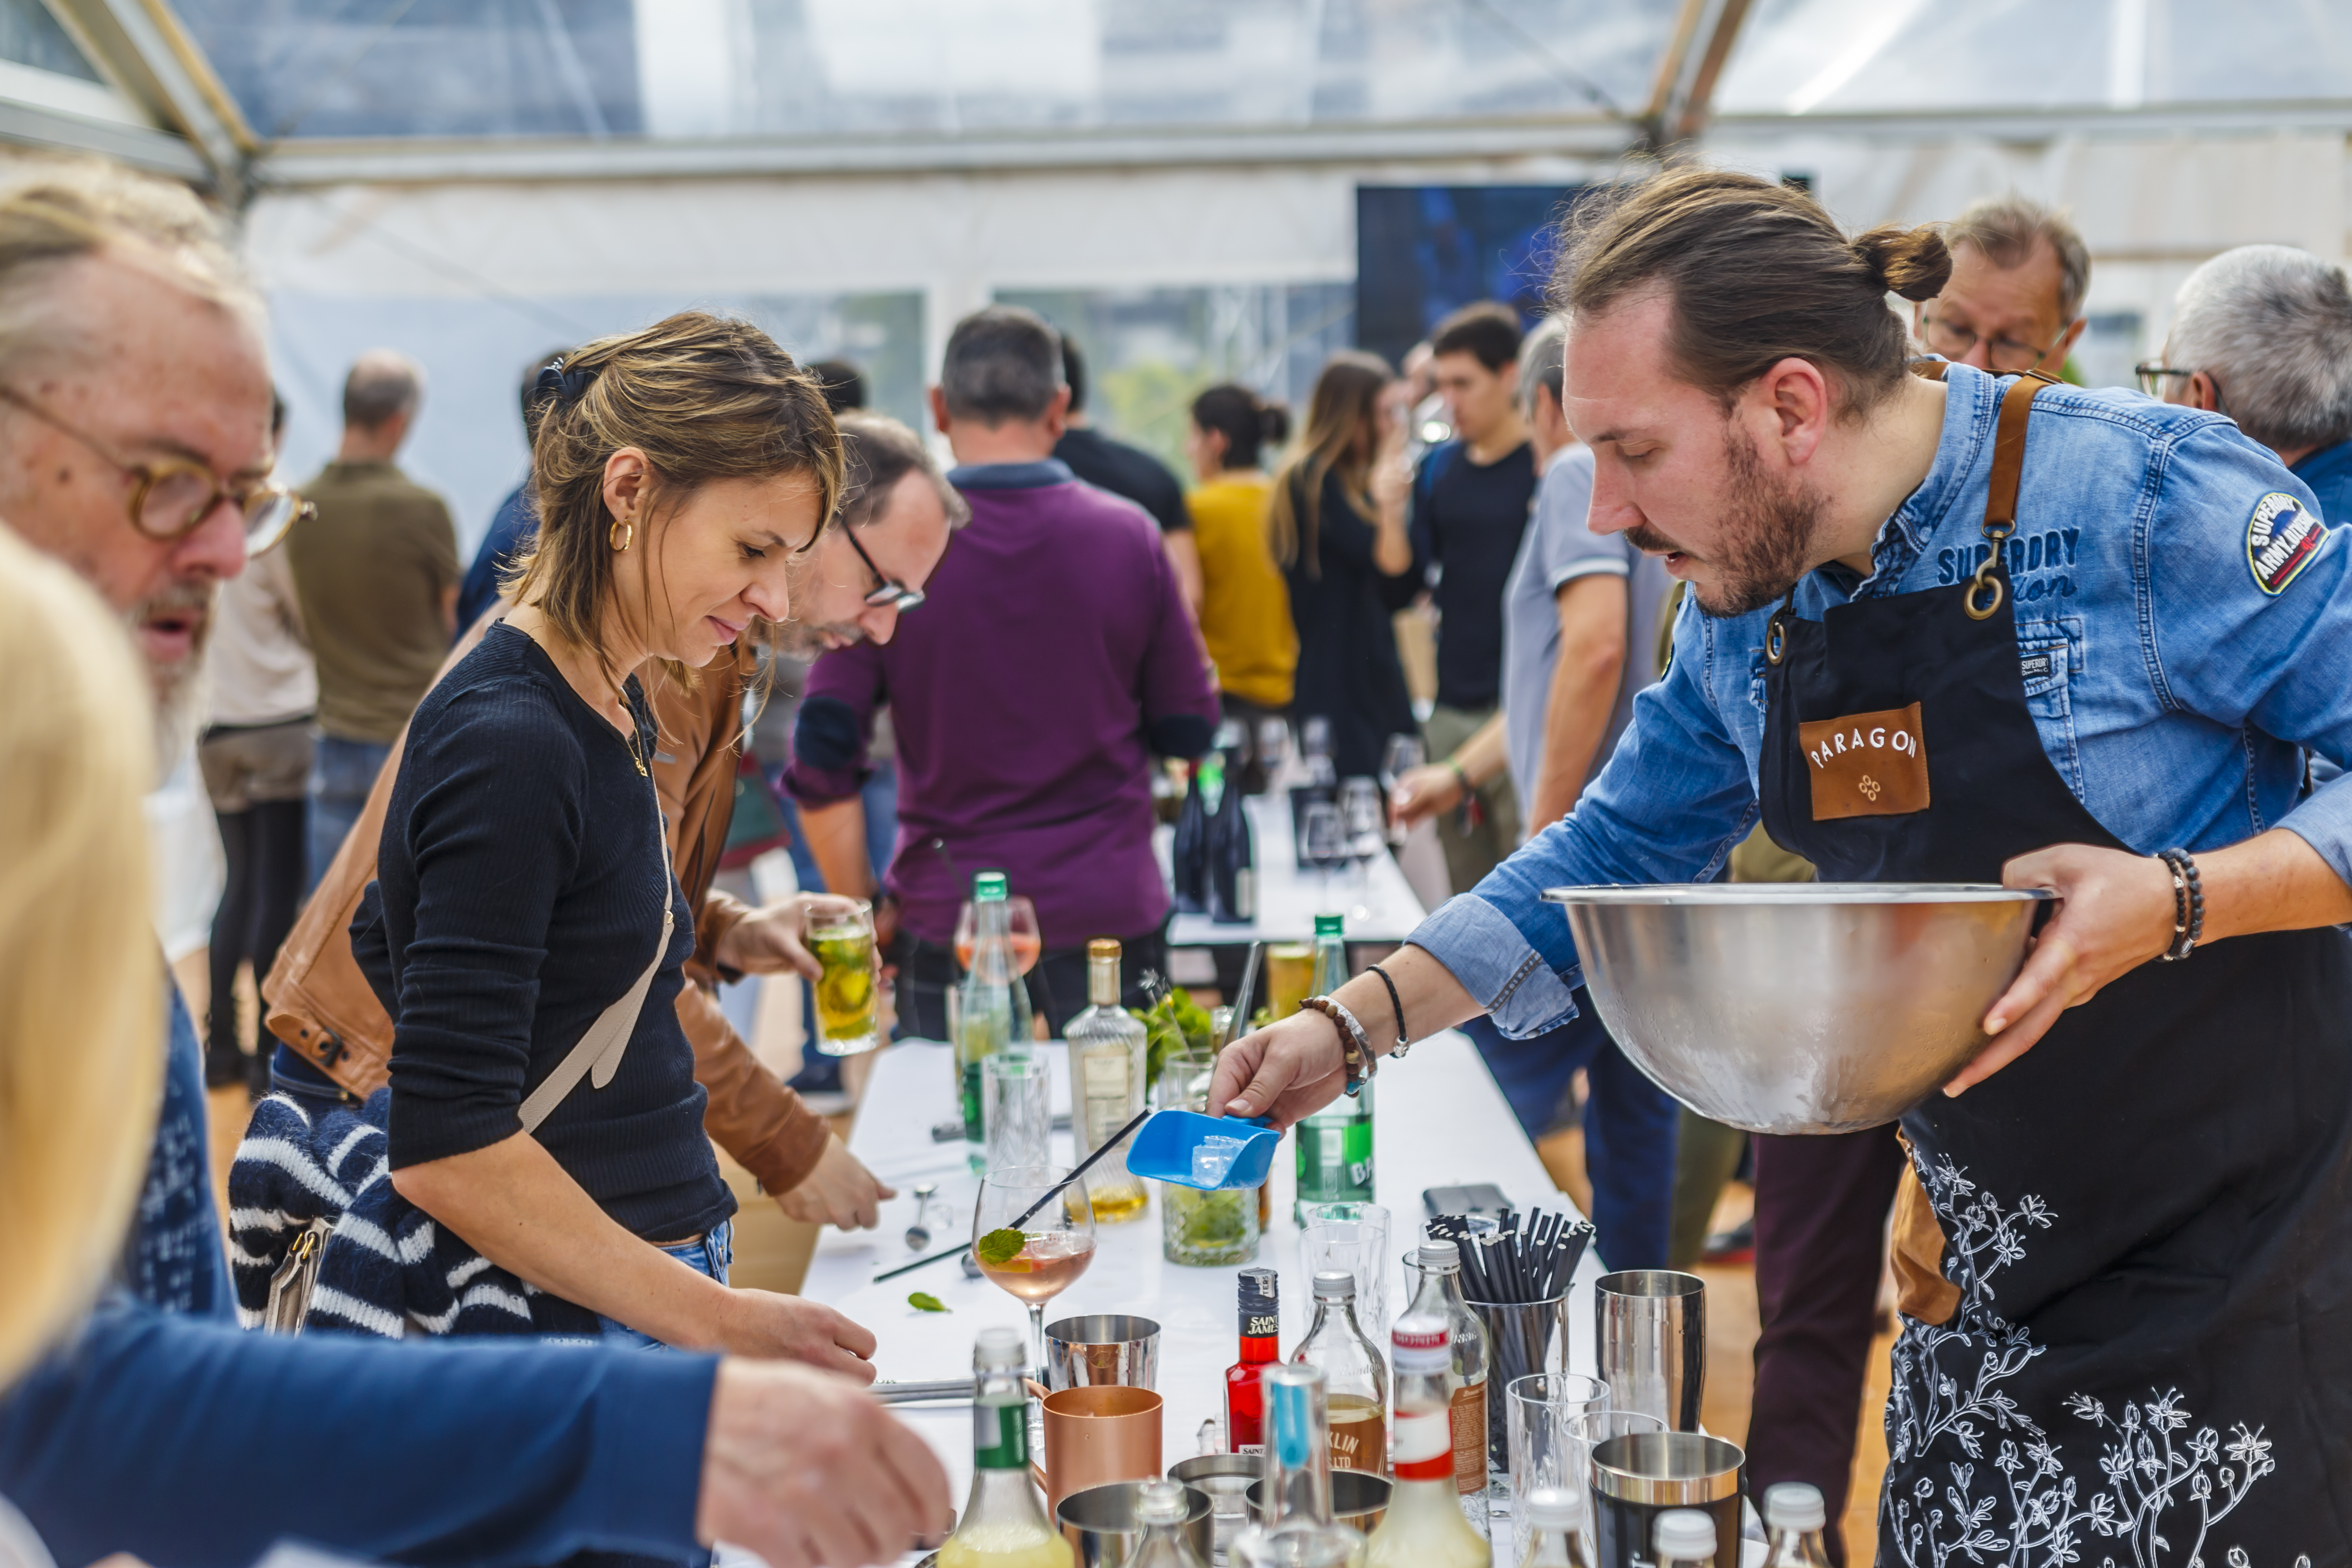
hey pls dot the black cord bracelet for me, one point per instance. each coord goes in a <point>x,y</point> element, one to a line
<point>1402,1043</point>
<point>2187,904</point>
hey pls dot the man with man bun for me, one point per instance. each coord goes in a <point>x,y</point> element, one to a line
<point>2073,641</point>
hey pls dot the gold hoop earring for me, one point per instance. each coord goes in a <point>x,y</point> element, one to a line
<point>620,536</point>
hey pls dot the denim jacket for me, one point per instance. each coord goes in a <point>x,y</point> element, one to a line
<point>2183,625</point>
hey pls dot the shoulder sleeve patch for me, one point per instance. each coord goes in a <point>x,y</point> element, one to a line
<point>2282,539</point>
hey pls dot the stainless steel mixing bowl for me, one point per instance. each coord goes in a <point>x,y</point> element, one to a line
<point>1799,1006</point>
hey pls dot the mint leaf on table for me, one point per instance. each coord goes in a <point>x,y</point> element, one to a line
<point>999,1246</point>
<point>922,1301</point>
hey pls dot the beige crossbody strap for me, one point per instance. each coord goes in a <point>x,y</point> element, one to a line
<point>607,1040</point>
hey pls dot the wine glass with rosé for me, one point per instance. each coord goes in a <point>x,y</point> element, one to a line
<point>1037,1259</point>
<point>1021,916</point>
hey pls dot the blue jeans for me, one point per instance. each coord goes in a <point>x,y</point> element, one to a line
<point>1630,1126</point>
<point>342,773</point>
<point>712,1255</point>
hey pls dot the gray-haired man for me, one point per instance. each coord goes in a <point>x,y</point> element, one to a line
<point>2263,334</point>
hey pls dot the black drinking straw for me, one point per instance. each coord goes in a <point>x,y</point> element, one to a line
<point>1084,1165</point>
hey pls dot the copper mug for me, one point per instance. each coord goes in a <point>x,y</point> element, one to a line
<point>1107,1432</point>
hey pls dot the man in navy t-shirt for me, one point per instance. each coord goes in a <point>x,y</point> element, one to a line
<point>1470,506</point>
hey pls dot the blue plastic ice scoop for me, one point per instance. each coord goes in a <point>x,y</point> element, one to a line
<point>1209,1153</point>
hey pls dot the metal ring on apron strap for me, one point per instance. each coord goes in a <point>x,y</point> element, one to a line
<point>1983,580</point>
<point>1776,637</point>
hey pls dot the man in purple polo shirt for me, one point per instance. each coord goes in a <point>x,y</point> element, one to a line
<point>1052,659</point>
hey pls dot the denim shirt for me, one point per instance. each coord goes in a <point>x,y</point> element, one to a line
<point>2175,665</point>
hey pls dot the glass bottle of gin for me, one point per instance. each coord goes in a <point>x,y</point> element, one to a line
<point>1003,1524</point>
<point>1107,1055</point>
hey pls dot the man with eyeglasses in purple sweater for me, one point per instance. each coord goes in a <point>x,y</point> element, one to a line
<point>1053,662</point>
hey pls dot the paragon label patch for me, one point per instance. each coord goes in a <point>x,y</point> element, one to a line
<point>2282,539</point>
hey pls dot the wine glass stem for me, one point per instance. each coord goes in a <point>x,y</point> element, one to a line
<point>1037,1340</point>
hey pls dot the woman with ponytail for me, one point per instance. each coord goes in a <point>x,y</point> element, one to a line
<point>525,932</point>
<point>1947,627</point>
<point>1244,609</point>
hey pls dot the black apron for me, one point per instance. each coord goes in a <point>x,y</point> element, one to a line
<point>2147,1213</point>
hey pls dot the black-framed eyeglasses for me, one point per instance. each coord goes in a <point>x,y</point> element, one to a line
<point>2155,374</point>
<point>2003,353</point>
<point>887,593</point>
<point>171,498</point>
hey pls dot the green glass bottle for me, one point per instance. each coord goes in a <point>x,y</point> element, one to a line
<point>1335,1144</point>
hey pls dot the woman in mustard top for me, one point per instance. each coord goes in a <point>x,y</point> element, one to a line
<point>1245,609</point>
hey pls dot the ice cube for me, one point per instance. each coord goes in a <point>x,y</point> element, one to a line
<point>1212,1158</point>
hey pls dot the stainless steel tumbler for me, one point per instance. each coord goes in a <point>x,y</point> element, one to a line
<point>1651,1325</point>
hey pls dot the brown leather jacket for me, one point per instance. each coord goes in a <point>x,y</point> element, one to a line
<point>321,1005</point>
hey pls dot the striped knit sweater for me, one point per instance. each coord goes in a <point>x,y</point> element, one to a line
<point>388,1269</point>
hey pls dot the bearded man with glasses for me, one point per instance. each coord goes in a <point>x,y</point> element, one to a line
<point>2015,299</point>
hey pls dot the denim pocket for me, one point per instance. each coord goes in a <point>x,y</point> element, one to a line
<point>2049,655</point>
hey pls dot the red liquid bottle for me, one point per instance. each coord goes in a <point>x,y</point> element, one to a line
<point>1244,1396</point>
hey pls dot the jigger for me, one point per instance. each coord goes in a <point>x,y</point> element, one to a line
<point>1651,1326</point>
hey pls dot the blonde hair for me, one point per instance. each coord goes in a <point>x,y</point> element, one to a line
<point>81,1062</point>
<point>705,397</point>
<point>55,210</point>
<point>1342,428</point>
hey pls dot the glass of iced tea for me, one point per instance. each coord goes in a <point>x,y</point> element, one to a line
<point>1033,1257</point>
<point>841,938</point>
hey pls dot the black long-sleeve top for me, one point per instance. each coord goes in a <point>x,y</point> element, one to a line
<point>1341,603</point>
<point>518,894</point>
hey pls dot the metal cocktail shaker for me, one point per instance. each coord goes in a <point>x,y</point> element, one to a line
<point>1651,1326</point>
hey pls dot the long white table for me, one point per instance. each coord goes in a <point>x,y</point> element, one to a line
<point>1379,903</point>
<point>1439,1121</point>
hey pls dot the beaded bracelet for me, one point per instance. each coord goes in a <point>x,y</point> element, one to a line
<point>2187,904</point>
<point>1355,1047</point>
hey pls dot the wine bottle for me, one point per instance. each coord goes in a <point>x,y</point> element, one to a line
<point>1106,1065</point>
<point>1440,1294</point>
<point>1423,1527</point>
<point>1232,860</point>
<point>1793,1517</point>
<point>1261,1340</point>
<point>1355,1378</point>
<point>1004,1525</point>
<point>1297,1529</point>
<point>1335,1144</point>
<point>1188,856</point>
<point>994,1012</point>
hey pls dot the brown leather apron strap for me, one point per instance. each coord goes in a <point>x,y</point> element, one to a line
<point>1985,591</point>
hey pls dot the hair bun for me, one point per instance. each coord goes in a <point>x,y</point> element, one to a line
<point>1912,262</point>
<point>1273,422</point>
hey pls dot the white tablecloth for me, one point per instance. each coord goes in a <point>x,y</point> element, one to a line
<point>1379,903</point>
<point>1440,1121</point>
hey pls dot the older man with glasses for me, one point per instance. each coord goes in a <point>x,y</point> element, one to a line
<point>2015,299</point>
<point>2263,334</point>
